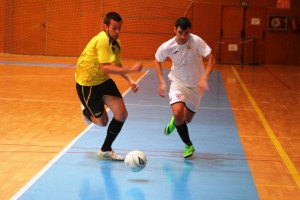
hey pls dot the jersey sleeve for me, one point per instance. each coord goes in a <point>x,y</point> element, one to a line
<point>202,47</point>
<point>161,53</point>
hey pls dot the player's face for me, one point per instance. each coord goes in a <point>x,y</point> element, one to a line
<point>113,30</point>
<point>182,35</point>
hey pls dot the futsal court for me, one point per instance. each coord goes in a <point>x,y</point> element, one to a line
<point>54,157</point>
<point>246,130</point>
<point>219,169</point>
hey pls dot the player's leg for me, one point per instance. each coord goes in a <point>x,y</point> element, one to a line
<point>114,100</point>
<point>179,112</point>
<point>189,148</point>
<point>177,101</point>
<point>102,120</point>
<point>175,97</point>
<point>188,115</point>
<point>92,106</point>
<point>117,107</point>
<point>193,100</point>
<point>183,112</point>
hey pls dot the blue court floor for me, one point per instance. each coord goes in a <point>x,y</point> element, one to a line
<point>219,170</point>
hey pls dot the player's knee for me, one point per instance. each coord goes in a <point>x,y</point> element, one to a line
<point>101,121</point>
<point>104,122</point>
<point>179,116</point>
<point>188,120</point>
<point>100,124</point>
<point>121,116</point>
<point>124,116</point>
<point>189,117</point>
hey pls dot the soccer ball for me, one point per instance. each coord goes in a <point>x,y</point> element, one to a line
<point>135,160</point>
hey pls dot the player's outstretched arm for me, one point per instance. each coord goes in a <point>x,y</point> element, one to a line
<point>134,85</point>
<point>111,68</point>
<point>210,64</point>
<point>162,85</point>
<point>203,86</point>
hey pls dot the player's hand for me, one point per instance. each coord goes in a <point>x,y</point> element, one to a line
<point>203,86</point>
<point>137,67</point>
<point>161,90</point>
<point>134,86</point>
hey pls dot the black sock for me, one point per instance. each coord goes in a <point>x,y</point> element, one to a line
<point>184,133</point>
<point>113,130</point>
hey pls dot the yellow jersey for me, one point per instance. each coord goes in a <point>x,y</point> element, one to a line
<point>98,50</point>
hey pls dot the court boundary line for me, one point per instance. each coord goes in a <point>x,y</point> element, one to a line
<point>38,100</point>
<point>47,166</point>
<point>146,105</point>
<point>27,185</point>
<point>282,153</point>
<point>35,64</point>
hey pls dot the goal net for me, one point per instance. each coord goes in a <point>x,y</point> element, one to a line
<point>63,28</point>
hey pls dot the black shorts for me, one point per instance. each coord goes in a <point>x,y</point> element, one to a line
<point>91,97</point>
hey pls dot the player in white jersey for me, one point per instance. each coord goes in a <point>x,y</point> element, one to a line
<point>188,77</point>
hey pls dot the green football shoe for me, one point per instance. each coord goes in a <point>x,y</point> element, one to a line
<point>188,151</point>
<point>170,127</point>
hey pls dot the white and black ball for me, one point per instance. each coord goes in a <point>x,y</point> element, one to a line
<point>135,161</point>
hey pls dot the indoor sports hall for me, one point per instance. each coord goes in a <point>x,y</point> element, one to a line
<point>245,132</point>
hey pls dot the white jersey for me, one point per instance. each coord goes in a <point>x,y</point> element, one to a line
<point>187,64</point>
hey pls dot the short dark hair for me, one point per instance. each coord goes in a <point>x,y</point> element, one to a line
<point>112,16</point>
<point>183,23</point>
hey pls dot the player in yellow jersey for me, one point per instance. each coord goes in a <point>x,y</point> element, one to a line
<point>95,88</point>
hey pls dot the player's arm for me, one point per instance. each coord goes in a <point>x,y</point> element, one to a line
<point>111,68</point>
<point>134,86</point>
<point>208,70</point>
<point>162,85</point>
<point>210,65</point>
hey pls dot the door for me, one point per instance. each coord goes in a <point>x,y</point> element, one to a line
<point>231,32</point>
<point>242,35</point>
<point>255,24</point>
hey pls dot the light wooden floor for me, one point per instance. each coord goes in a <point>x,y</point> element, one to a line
<point>40,115</point>
<point>265,100</point>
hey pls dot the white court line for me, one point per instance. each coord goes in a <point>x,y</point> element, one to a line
<point>38,76</point>
<point>47,166</point>
<point>58,156</point>
<point>53,101</point>
<point>38,100</point>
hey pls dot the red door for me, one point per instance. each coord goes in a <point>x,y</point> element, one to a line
<point>231,28</point>
<point>255,25</point>
<point>242,35</point>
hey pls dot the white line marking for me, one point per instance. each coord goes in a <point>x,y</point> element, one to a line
<point>58,156</point>
<point>38,100</point>
<point>47,166</point>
